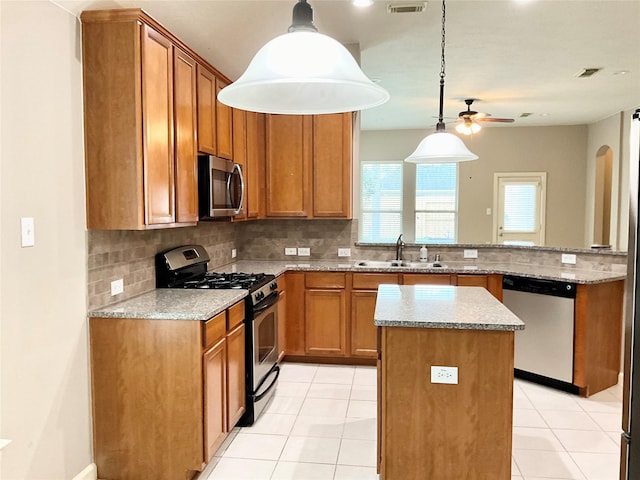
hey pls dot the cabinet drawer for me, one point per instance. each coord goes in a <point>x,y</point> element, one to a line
<point>370,281</point>
<point>215,329</point>
<point>426,279</point>
<point>236,315</point>
<point>325,280</point>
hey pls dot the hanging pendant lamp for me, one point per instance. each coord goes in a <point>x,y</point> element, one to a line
<point>303,72</point>
<point>441,147</point>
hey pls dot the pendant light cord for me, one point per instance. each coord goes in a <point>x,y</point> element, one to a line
<point>440,125</point>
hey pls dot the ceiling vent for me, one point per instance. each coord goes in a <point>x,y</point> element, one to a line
<point>587,72</point>
<point>409,7</point>
<point>526,114</point>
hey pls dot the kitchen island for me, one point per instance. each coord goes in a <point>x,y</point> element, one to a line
<point>444,423</point>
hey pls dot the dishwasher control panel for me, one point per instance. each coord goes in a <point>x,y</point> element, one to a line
<point>541,286</point>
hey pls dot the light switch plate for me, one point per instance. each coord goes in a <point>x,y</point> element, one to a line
<point>117,287</point>
<point>344,252</point>
<point>471,253</point>
<point>234,253</point>
<point>304,252</point>
<point>290,251</point>
<point>28,237</point>
<point>440,374</point>
<point>569,258</point>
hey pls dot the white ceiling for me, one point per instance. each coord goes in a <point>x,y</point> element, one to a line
<point>514,55</point>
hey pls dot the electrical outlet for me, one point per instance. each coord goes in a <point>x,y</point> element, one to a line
<point>344,252</point>
<point>569,258</point>
<point>234,253</point>
<point>28,232</point>
<point>290,251</point>
<point>117,287</point>
<point>471,253</point>
<point>441,374</point>
<point>488,211</point>
<point>304,252</point>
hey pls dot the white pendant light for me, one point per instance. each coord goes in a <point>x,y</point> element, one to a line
<point>303,72</point>
<point>441,147</point>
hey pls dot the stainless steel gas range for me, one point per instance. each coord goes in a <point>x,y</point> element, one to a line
<point>186,267</point>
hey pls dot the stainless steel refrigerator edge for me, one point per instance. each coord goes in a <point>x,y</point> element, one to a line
<point>630,447</point>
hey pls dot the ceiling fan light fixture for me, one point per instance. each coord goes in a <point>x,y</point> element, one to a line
<point>303,72</point>
<point>468,127</point>
<point>362,3</point>
<point>441,147</point>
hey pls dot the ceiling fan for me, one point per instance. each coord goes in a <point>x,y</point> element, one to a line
<point>467,120</point>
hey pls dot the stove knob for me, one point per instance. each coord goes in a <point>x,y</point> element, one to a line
<point>273,286</point>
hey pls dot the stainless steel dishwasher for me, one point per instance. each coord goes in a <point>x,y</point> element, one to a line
<point>544,349</point>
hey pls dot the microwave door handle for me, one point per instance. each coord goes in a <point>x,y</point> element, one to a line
<point>210,193</point>
<point>236,168</point>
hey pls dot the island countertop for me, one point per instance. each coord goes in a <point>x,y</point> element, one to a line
<point>442,306</point>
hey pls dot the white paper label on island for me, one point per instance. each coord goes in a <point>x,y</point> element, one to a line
<point>569,276</point>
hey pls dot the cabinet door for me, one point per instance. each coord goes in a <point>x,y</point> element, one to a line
<point>224,122</point>
<point>215,400</point>
<point>206,111</point>
<point>295,336</point>
<point>157,115</point>
<point>325,326</point>
<point>332,165</point>
<point>186,170</point>
<point>282,316</point>
<point>426,279</point>
<point>254,176</point>
<point>473,281</point>
<point>236,400</point>
<point>363,331</point>
<point>288,165</point>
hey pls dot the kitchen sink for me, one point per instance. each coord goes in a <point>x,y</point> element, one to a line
<point>397,264</point>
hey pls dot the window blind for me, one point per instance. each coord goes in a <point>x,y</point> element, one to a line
<point>520,207</point>
<point>381,202</point>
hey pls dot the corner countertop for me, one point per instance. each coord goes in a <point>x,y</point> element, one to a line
<point>524,270</point>
<point>173,304</point>
<point>442,306</point>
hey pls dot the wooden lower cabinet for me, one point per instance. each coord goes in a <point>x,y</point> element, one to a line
<point>282,316</point>
<point>426,279</point>
<point>325,322</point>
<point>215,378</point>
<point>165,393</point>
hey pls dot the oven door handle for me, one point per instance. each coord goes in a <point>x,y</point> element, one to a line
<point>271,299</point>
<point>260,396</point>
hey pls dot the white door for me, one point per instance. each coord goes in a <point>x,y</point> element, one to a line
<point>519,204</point>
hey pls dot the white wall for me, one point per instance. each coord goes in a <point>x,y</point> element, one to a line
<point>44,381</point>
<point>559,151</point>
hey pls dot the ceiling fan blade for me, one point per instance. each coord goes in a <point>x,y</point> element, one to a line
<point>497,120</point>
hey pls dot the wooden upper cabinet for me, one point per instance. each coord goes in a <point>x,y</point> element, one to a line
<point>288,165</point>
<point>185,114</point>
<point>255,165</point>
<point>224,125</point>
<point>332,153</point>
<point>206,111</point>
<point>140,119</point>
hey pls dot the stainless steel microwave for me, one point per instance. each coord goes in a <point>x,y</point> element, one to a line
<point>220,187</point>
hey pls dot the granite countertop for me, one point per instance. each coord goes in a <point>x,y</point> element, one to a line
<point>524,270</point>
<point>173,304</point>
<point>442,306</point>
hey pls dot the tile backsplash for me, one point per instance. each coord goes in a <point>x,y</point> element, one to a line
<point>130,255</point>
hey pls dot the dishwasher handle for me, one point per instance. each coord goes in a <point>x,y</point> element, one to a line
<point>554,288</point>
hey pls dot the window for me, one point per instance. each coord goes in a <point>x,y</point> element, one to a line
<point>381,202</point>
<point>424,211</point>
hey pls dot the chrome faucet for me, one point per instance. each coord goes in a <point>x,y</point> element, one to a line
<point>399,247</point>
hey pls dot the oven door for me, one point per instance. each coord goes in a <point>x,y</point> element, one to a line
<point>265,338</point>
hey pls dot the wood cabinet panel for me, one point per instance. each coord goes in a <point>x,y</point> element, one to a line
<point>157,104</point>
<point>215,329</point>
<point>295,331</point>
<point>215,398</point>
<point>185,112</point>
<point>206,111</point>
<point>288,160</point>
<point>597,336</point>
<point>146,380</point>
<point>325,280</point>
<point>325,322</point>
<point>224,125</point>
<point>235,315</point>
<point>363,331</point>
<point>332,149</point>
<point>371,281</point>
<point>236,400</point>
<point>255,165</point>
<point>282,315</point>
<point>473,281</point>
<point>426,279</point>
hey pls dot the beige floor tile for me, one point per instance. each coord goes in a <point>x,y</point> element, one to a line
<point>242,469</point>
<point>256,446</point>
<point>350,472</point>
<point>306,471</point>
<point>598,466</point>
<point>526,438</point>
<point>324,407</point>
<point>357,452</point>
<point>329,390</point>
<point>334,374</point>
<point>586,441</point>
<point>311,450</point>
<point>538,463</point>
<point>315,426</point>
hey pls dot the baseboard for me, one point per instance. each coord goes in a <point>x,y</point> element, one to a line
<point>89,473</point>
